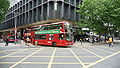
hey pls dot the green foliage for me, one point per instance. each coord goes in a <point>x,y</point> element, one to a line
<point>96,13</point>
<point>4,5</point>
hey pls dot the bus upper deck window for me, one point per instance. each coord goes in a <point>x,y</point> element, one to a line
<point>60,27</point>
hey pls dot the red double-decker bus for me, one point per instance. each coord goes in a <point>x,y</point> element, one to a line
<point>10,36</point>
<point>55,34</point>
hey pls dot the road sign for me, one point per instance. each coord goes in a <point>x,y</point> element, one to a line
<point>91,33</point>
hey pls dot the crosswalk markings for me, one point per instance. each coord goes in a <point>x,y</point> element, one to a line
<point>49,56</point>
<point>25,58</point>
<point>51,59</point>
<point>111,48</point>
<point>103,59</point>
<point>44,63</point>
<point>103,50</point>
<point>91,52</point>
<point>12,53</point>
<point>83,65</point>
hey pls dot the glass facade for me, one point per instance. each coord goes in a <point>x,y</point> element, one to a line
<point>32,11</point>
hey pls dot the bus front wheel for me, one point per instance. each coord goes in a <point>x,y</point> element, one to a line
<point>54,43</point>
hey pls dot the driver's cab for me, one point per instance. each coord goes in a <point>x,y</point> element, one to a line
<point>68,31</point>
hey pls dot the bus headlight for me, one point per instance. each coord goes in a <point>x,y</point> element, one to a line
<point>49,41</point>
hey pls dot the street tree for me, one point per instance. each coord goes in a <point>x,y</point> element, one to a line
<point>101,15</point>
<point>4,5</point>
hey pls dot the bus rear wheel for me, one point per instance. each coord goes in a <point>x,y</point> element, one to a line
<point>54,43</point>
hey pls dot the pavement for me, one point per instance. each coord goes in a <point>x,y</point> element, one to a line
<point>19,43</point>
<point>86,55</point>
<point>22,43</point>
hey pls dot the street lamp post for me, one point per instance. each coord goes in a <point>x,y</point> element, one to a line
<point>15,29</point>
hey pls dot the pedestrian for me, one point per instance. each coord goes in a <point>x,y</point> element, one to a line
<point>97,39</point>
<point>110,41</point>
<point>81,40</point>
<point>27,41</point>
<point>6,42</point>
<point>75,37</point>
<point>93,41</point>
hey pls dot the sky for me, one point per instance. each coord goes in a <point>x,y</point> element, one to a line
<point>12,2</point>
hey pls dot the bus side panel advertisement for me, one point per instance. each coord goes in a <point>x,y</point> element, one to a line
<point>48,32</point>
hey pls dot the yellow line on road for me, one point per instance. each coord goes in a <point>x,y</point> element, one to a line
<point>91,52</point>
<point>73,56</point>
<point>65,63</point>
<point>87,62</point>
<point>25,58</point>
<point>87,56</point>
<point>78,59</point>
<point>111,48</point>
<point>18,49</point>
<point>24,62</point>
<point>7,62</point>
<point>103,59</point>
<point>44,52</point>
<point>42,63</point>
<point>12,50</point>
<point>34,62</point>
<point>13,56</point>
<point>1,51</point>
<point>75,52</point>
<point>102,50</point>
<point>70,63</point>
<point>51,59</point>
<point>22,52</point>
<point>47,56</point>
<point>12,53</point>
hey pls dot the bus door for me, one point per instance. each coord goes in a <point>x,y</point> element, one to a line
<point>69,37</point>
<point>61,39</point>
